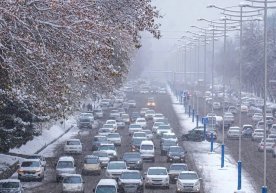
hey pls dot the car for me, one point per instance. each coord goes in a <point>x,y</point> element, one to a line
<point>143,111</point>
<point>233,109</point>
<point>136,142</point>
<point>156,125</point>
<point>131,181</point>
<point>176,154</point>
<point>134,115</point>
<point>114,138</point>
<point>11,186</point>
<point>105,103</point>
<point>175,169</point>
<point>73,183</point>
<point>157,117</point>
<point>133,160</point>
<point>111,127</point>
<point>151,102</point>
<point>40,157</point>
<point>258,135</point>
<point>97,141</point>
<point>85,122</point>
<point>139,134</point>
<point>98,113</point>
<point>157,177</point>
<point>233,133</point>
<point>105,131</point>
<point>272,136</point>
<point>73,146</point>
<point>134,128</point>
<point>106,186</point>
<point>244,109</point>
<point>257,117</point>
<point>115,168</point>
<point>91,165</point>
<point>149,133</point>
<point>103,157</point>
<point>121,124</point>
<point>273,129</point>
<point>110,149</point>
<point>65,165</point>
<point>142,122</point>
<point>147,150</point>
<point>114,114</point>
<point>163,129</point>
<point>112,122</point>
<point>188,181</point>
<point>211,132</point>
<point>228,118</point>
<point>196,134</point>
<point>165,145</point>
<point>149,114</point>
<point>125,118</point>
<point>269,120</point>
<point>31,169</point>
<point>247,130</point>
<point>269,145</point>
<point>169,136</point>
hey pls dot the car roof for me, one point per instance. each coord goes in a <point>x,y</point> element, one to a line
<point>75,175</point>
<point>31,160</point>
<point>107,182</point>
<point>156,167</point>
<point>66,158</point>
<point>188,172</point>
<point>145,142</point>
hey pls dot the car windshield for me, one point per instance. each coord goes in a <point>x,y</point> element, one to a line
<point>141,121</point>
<point>113,135</point>
<point>169,136</point>
<point>150,112</point>
<point>179,167</point>
<point>130,175</point>
<point>65,164</point>
<point>107,147</point>
<point>157,171</point>
<point>91,160</point>
<point>9,185</point>
<point>97,111</point>
<point>139,135</point>
<point>176,149</point>
<point>115,166</point>
<point>137,141</point>
<point>30,164</point>
<point>135,126</point>
<point>125,116</point>
<point>72,180</point>
<point>146,147</point>
<point>164,127</point>
<point>188,176</point>
<point>108,126</point>
<point>169,143</point>
<point>72,143</point>
<point>106,189</point>
<point>100,139</point>
<point>110,122</point>
<point>131,155</point>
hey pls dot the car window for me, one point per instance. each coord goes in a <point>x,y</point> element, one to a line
<point>130,175</point>
<point>106,189</point>
<point>9,185</point>
<point>73,143</point>
<point>157,172</point>
<point>65,164</point>
<point>188,176</point>
<point>30,164</point>
<point>72,180</point>
<point>91,160</point>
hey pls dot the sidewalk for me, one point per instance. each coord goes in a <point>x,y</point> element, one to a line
<point>215,179</point>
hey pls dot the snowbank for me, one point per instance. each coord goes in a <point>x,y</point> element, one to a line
<point>215,179</point>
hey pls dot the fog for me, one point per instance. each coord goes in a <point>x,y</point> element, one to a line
<point>178,16</point>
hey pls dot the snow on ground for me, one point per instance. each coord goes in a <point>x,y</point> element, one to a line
<point>216,180</point>
<point>7,160</point>
<point>47,136</point>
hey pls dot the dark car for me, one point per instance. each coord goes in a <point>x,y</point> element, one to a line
<point>134,116</point>
<point>165,145</point>
<point>131,181</point>
<point>133,160</point>
<point>85,122</point>
<point>247,131</point>
<point>176,154</point>
<point>194,135</point>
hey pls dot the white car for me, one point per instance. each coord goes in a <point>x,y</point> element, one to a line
<point>114,114</point>
<point>114,138</point>
<point>258,135</point>
<point>188,181</point>
<point>148,133</point>
<point>104,131</point>
<point>73,183</point>
<point>11,186</point>
<point>269,145</point>
<point>40,157</point>
<point>115,168</point>
<point>125,118</point>
<point>142,122</point>
<point>103,157</point>
<point>65,165</point>
<point>158,116</point>
<point>157,177</point>
<point>216,105</point>
<point>257,117</point>
<point>169,136</point>
<point>143,111</point>
<point>134,128</point>
<point>139,134</point>
<point>244,108</point>
<point>110,127</point>
<point>233,133</point>
<point>132,103</point>
<point>31,169</point>
<point>149,114</point>
<point>112,122</point>
<point>98,113</point>
<point>73,146</point>
<point>106,186</point>
<point>163,129</point>
<point>147,150</point>
<point>156,125</point>
<point>110,149</point>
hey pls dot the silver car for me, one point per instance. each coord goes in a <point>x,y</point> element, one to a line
<point>11,186</point>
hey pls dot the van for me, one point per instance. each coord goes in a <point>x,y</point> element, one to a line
<point>147,150</point>
<point>106,186</point>
<point>65,165</point>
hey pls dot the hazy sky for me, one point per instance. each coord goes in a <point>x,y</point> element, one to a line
<point>178,16</point>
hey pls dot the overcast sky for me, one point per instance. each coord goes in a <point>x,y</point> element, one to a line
<point>178,16</point>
